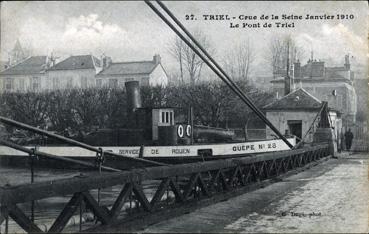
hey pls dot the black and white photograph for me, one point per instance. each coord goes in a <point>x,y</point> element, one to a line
<point>184,117</point>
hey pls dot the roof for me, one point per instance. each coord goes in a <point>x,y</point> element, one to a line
<point>158,107</point>
<point>129,68</point>
<point>297,100</point>
<point>77,62</point>
<point>312,80</point>
<point>2,65</point>
<point>336,69</point>
<point>31,65</point>
<point>17,46</point>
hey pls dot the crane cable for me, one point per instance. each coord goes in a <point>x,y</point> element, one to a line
<point>217,69</point>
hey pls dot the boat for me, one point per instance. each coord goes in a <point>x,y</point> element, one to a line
<point>154,135</point>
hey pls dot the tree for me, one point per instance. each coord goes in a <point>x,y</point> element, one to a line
<point>207,100</point>
<point>30,108</point>
<point>176,50</point>
<point>60,113</point>
<point>278,53</point>
<point>187,58</point>
<point>238,61</point>
<point>112,107</point>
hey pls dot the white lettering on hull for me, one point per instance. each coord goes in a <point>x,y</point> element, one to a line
<point>164,151</point>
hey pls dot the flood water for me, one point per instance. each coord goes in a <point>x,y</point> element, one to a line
<point>47,210</point>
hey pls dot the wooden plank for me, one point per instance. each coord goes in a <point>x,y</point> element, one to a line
<point>234,175</point>
<point>146,218</point>
<point>118,204</point>
<point>279,166</point>
<point>54,157</point>
<point>203,186</point>
<point>270,168</point>
<point>300,160</point>
<point>141,197</point>
<point>62,187</point>
<point>3,214</point>
<point>223,180</point>
<point>247,173</point>
<point>22,220</point>
<point>176,191</point>
<point>189,187</point>
<point>74,142</point>
<point>261,169</point>
<point>214,179</point>
<point>253,172</point>
<point>68,211</point>
<point>101,213</point>
<point>159,192</point>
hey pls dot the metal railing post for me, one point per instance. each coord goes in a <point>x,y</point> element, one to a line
<point>31,157</point>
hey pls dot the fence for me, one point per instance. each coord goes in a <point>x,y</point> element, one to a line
<point>182,184</point>
<point>361,137</point>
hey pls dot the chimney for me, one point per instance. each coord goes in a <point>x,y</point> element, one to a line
<point>297,69</point>
<point>287,79</point>
<point>102,61</point>
<point>133,99</point>
<point>287,85</point>
<point>108,61</point>
<point>156,59</point>
<point>347,62</point>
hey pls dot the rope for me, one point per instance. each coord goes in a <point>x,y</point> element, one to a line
<point>217,69</point>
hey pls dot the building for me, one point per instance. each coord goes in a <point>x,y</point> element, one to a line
<point>74,72</point>
<point>147,73</point>
<point>331,84</point>
<point>39,73</point>
<point>28,75</point>
<point>16,55</point>
<point>3,65</point>
<point>296,113</point>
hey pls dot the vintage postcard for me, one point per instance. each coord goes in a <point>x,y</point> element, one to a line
<point>184,116</point>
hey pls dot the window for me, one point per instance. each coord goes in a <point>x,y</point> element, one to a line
<point>98,83</point>
<point>325,98</point>
<point>21,84</point>
<point>8,84</point>
<point>339,102</point>
<point>167,117</point>
<point>69,82</point>
<point>35,83</point>
<point>171,118</point>
<point>83,82</point>
<point>113,83</point>
<point>163,117</point>
<point>56,83</point>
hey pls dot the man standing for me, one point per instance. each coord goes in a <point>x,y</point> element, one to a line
<point>348,139</point>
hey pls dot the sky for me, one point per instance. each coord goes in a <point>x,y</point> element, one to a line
<point>129,31</point>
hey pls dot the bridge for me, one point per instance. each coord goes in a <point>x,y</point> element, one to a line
<point>150,191</point>
<point>179,189</point>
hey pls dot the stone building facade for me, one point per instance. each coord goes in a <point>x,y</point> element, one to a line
<point>40,73</point>
<point>147,73</point>
<point>73,72</point>
<point>295,113</point>
<point>331,84</point>
<point>28,75</point>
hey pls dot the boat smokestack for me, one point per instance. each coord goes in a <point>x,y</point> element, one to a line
<point>288,82</point>
<point>287,85</point>
<point>133,98</point>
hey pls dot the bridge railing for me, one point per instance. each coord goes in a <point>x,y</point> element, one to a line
<point>176,185</point>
